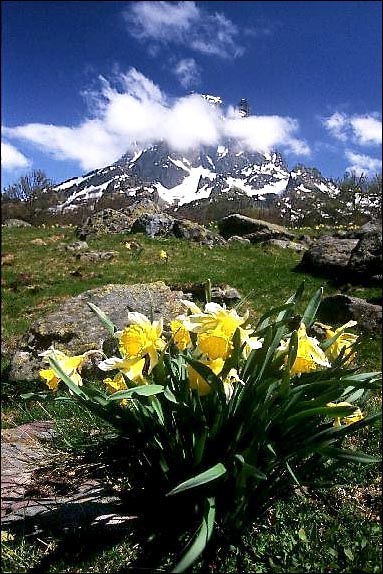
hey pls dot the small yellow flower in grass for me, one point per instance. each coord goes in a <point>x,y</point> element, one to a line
<point>310,356</point>
<point>128,245</point>
<point>181,336</point>
<point>6,536</point>
<point>345,340</point>
<point>357,415</point>
<point>197,382</point>
<point>70,365</point>
<point>163,255</point>
<point>141,338</point>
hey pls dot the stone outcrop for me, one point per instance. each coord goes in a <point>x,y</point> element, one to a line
<point>342,308</point>
<point>185,229</point>
<point>328,254</point>
<point>13,222</point>
<point>74,328</point>
<point>104,221</point>
<point>153,225</point>
<point>366,257</point>
<point>255,230</point>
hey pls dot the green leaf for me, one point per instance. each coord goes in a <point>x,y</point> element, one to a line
<point>141,390</point>
<point>202,537</point>
<point>312,307</point>
<point>332,412</point>
<point>103,318</point>
<point>39,396</point>
<point>348,553</point>
<point>351,455</point>
<point>207,476</point>
<point>170,395</point>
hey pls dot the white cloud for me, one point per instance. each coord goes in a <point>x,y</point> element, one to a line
<point>187,72</point>
<point>185,24</point>
<point>362,130</point>
<point>12,158</point>
<point>363,164</point>
<point>138,112</point>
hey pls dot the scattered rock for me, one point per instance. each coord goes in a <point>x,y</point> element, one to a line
<point>284,244</point>
<point>186,229</point>
<point>74,328</point>
<point>96,256</point>
<point>239,239</point>
<point>221,293</point>
<point>7,258</point>
<point>76,246</point>
<point>38,241</point>
<point>13,222</point>
<point>255,230</point>
<point>328,254</point>
<point>153,225</point>
<point>366,257</point>
<point>342,308</point>
<point>103,222</point>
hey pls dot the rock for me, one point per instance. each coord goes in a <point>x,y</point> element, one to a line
<point>253,229</point>
<point>74,328</point>
<point>221,293</point>
<point>103,222</point>
<point>36,498</point>
<point>76,246</point>
<point>342,308</point>
<point>238,239</point>
<point>96,256</point>
<point>7,258</point>
<point>370,226</point>
<point>328,254</point>
<point>38,241</point>
<point>366,257</point>
<point>16,223</point>
<point>283,244</point>
<point>186,229</point>
<point>154,225</point>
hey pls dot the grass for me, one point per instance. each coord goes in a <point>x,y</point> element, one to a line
<point>333,531</point>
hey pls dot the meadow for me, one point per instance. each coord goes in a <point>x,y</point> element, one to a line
<point>329,530</point>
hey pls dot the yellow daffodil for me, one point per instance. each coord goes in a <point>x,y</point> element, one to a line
<point>70,366</point>
<point>132,368</point>
<point>229,381</point>
<point>213,317</point>
<point>197,382</point>
<point>215,344</point>
<point>141,338</point>
<point>309,357</point>
<point>115,384</point>
<point>181,335</point>
<point>248,341</point>
<point>163,255</point>
<point>357,415</point>
<point>344,340</point>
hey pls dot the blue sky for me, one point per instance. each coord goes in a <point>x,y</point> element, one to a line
<point>82,81</point>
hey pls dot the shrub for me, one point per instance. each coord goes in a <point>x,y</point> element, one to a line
<point>226,418</point>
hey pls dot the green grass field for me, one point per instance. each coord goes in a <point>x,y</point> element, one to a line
<point>334,530</point>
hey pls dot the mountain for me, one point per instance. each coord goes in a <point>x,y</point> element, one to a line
<point>176,178</point>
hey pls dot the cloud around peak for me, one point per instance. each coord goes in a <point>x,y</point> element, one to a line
<point>183,24</point>
<point>136,111</point>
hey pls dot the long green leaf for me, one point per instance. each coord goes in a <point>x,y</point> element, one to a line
<point>103,318</point>
<point>337,411</point>
<point>142,390</point>
<point>353,456</point>
<point>201,538</point>
<point>312,307</point>
<point>207,476</point>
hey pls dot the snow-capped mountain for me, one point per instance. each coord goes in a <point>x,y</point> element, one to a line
<point>176,178</point>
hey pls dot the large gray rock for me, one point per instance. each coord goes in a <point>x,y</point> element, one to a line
<point>74,328</point>
<point>255,230</point>
<point>328,254</point>
<point>366,257</point>
<point>103,222</point>
<point>284,244</point>
<point>186,229</point>
<point>13,222</point>
<point>154,225</point>
<point>342,308</point>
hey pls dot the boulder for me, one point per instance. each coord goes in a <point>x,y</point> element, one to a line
<point>96,256</point>
<point>342,308</point>
<point>366,257</point>
<point>238,239</point>
<point>186,229</point>
<point>154,225</point>
<point>74,328</point>
<point>103,222</point>
<point>284,244</point>
<point>328,254</point>
<point>253,229</point>
<point>220,293</point>
<point>13,222</point>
